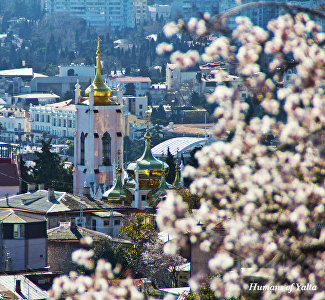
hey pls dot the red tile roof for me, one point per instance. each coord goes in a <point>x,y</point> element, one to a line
<point>8,173</point>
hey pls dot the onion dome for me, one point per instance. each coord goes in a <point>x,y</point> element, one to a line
<point>118,193</point>
<point>150,168</point>
<point>156,195</point>
<point>102,93</point>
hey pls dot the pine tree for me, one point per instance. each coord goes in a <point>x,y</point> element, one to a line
<point>171,163</point>
<point>49,169</point>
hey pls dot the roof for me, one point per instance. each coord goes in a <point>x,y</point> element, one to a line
<point>64,202</point>
<point>8,174</point>
<point>17,72</point>
<point>37,201</point>
<point>29,290</point>
<point>176,291</point>
<point>133,79</point>
<point>37,96</point>
<point>64,105</point>
<point>11,216</point>
<point>66,232</point>
<point>107,214</point>
<point>177,145</point>
<point>184,267</point>
<point>191,129</point>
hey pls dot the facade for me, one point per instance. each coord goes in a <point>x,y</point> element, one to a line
<point>137,106</point>
<point>192,8</point>
<point>59,85</point>
<point>118,14</point>
<point>142,84</point>
<point>15,125</point>
<point>77,70</point>
<point>175,76</point>
<point>140,11</point>
<point>160,12</point>
<point>65,239</point>
<point>158,92</point>
<point>24,241</point>
<point>98,138</point>
<point>57,119</point>
<point>9,177</point>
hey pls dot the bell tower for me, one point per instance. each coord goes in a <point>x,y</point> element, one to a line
<point>98,136</point>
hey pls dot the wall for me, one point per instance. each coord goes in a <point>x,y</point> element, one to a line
<point>107,119</point>
<point>11,190</point>
<point>59,256</point>
<point>16,250</point>
<point>37,253</point>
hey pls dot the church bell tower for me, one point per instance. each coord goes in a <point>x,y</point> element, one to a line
<point>98,136</point>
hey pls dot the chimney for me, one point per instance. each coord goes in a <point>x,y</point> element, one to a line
<point>18,286</point>
<point>51,195</point>
<point>41,186</point>
<point>31,187</point>
<point>86,192</point>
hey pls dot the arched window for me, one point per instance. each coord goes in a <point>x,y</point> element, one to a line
<point>106,146</point>
<point>70,72</point>
<point>82,149</point>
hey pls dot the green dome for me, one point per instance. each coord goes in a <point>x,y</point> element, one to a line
<point>157,194</point>
<point>150,168</point>
<point>118,193</point>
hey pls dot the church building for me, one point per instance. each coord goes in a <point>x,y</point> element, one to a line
<point>98,137</point>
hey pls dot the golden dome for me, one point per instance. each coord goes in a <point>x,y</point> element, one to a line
<point>102,92</point>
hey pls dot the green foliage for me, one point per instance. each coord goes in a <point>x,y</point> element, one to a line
<point>24,174</point>
<point>132,149</point>
<point>140,233</point>
<point>197,100</point>
<point>136,227</point>
<point>130,89</point>
<point>115,253</point>
<point>171,163</point>
<point>49,169</point>
<point>158,116</point>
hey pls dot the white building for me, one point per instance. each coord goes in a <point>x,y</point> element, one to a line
<point>175,76</point>
<point>77,70</point>
<point>141,11</point>
<point>159,11</point>
<point>142,84</point>
<point>158,92</point>
<point>16,125</point>
<point>118,14</point>
<point>57,119</point>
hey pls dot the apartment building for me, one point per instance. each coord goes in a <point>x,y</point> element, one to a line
<point>118,14</point>
<point>15,125</point>
<point>141,11</point>
<point>57,119</point>
<point>193,8</point>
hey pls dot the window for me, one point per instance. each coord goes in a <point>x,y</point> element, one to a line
<point>69,123</point>
<point>106,222</point>
<point>106,146</point>
<point>117,222</point>
<point>93,224</point>
<point>143,198</point>
<point>82,149</point>
<point>19,231</point>
<point>140,106</point>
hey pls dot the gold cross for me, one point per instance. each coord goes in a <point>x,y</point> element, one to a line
<point>98,48</point>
